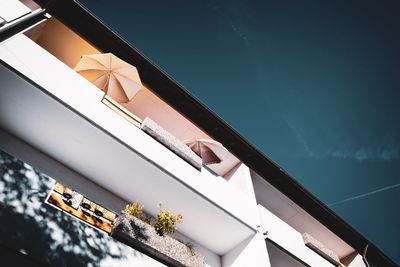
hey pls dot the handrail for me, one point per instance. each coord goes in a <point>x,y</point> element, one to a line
<point>10,29</point>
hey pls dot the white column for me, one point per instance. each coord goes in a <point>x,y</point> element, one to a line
<point>251,252</point>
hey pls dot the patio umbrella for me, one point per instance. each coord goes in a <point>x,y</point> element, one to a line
<point>209,150</point>
<point>114,76</point>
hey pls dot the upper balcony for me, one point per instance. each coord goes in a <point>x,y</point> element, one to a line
<point>56,110</point>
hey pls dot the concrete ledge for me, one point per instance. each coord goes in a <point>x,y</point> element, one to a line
<point>171,142</point>
<point>319,248</point>
<point>143,237</point>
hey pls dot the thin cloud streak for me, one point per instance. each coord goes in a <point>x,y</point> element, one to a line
<point>368,154</point>
<point>299,133</point>
<point>364,195</point>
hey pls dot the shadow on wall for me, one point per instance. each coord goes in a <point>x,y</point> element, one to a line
<point>32,227</point>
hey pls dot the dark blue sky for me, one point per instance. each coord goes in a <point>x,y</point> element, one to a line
<point>315,85</point>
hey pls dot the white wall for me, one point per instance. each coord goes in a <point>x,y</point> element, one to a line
<point>251,252</point>
<point>240,178</point>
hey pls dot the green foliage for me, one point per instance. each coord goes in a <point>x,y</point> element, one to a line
<point>166,222</point>
<point>134,209</point>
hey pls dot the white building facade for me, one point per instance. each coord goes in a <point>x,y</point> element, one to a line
<point>58,122</point>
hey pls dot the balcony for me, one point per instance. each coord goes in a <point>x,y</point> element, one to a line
<point>281,235</point>
<point>61,114</point>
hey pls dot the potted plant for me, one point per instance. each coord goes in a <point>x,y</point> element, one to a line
<point>133,228</point>
<point>166,222</point>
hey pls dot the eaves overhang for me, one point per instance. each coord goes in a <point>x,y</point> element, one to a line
<point>83,22</point>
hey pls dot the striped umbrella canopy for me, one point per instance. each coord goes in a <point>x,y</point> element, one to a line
<point>111,74</point>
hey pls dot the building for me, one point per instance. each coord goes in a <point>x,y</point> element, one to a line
<point>244,211</point>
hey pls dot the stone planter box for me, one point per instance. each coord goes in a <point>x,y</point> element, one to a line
<point>319,248</point>
<point>142,237</point>
<point>171,142</point>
